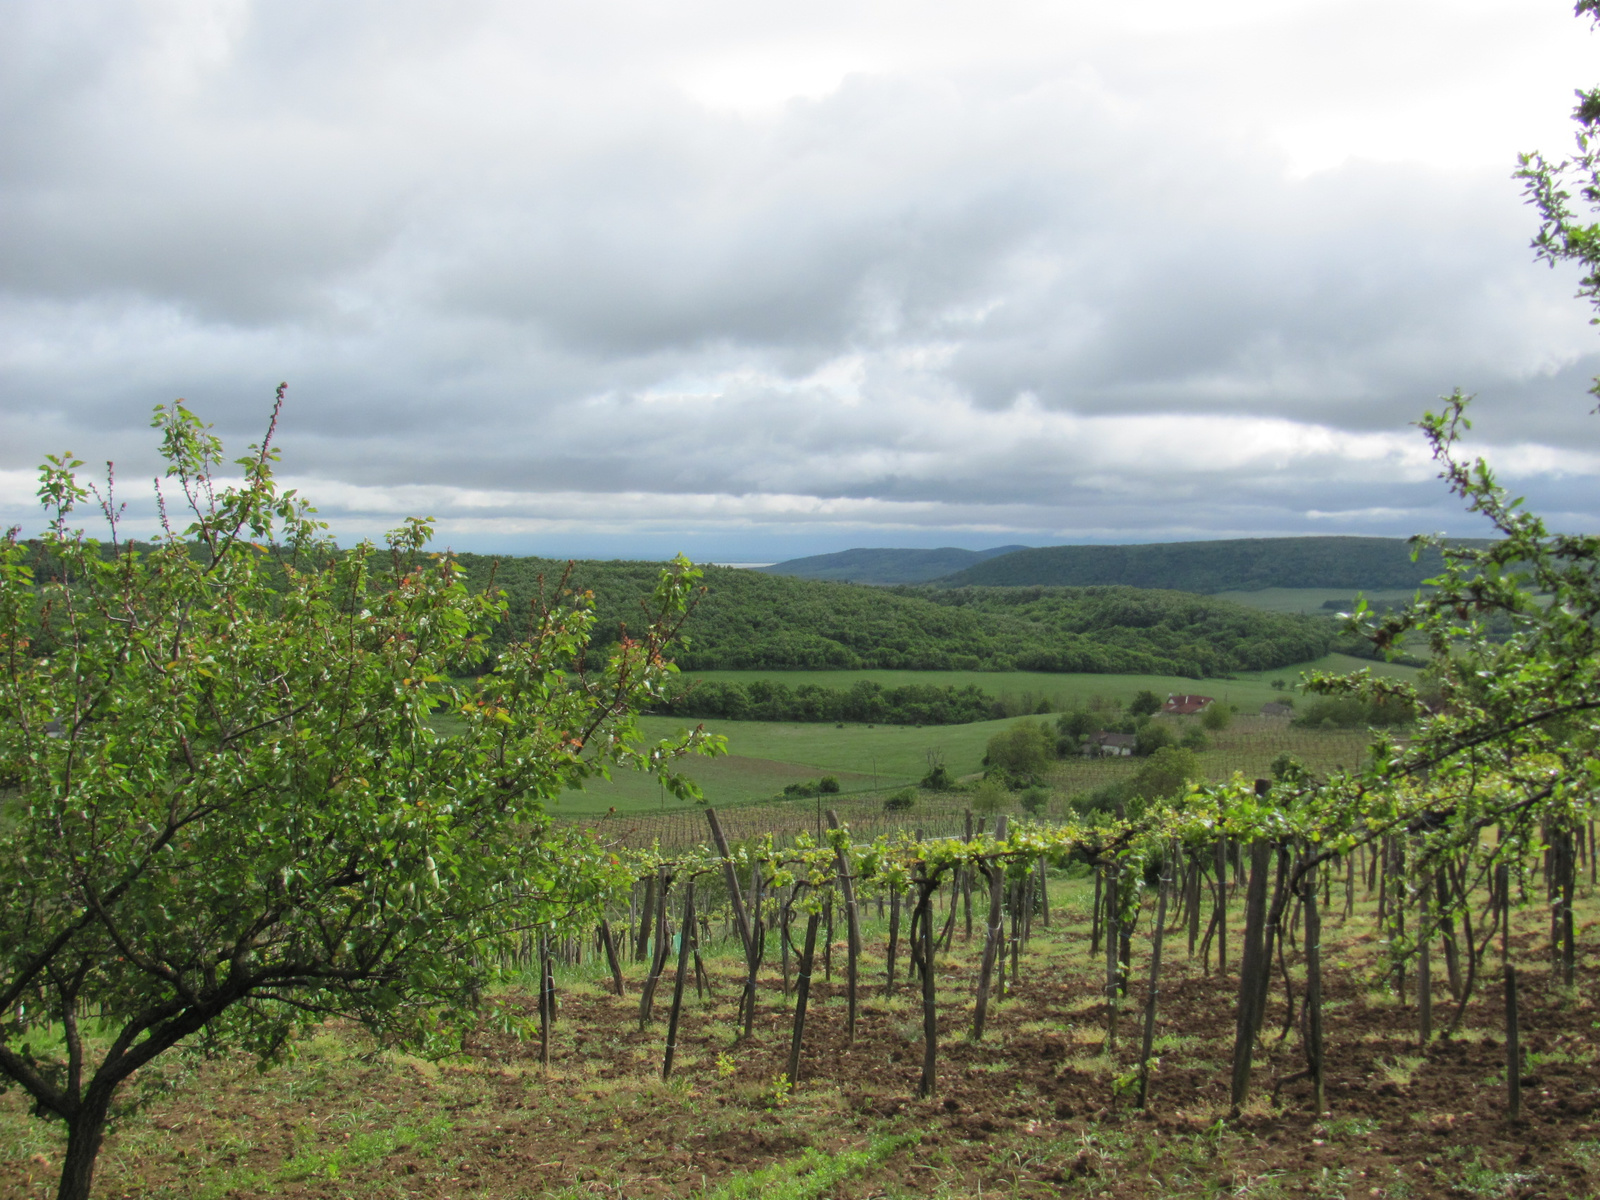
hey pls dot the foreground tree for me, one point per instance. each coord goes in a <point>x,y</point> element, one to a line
<point>227,808</point>
<point>1512,718</point>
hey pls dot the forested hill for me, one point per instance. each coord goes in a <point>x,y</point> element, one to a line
<point>863,565</point>
<point>749,620</point>
<point>1243,564</point>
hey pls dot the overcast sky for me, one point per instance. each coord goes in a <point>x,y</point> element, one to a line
<point>752,280</point>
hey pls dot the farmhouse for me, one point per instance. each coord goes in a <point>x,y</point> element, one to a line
<point>1186,706</point>
<point>1110,745</point>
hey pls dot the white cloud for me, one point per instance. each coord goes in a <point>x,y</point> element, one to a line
<point>1042,271</point>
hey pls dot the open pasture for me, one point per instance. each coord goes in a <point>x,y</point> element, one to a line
<point>868,761</point>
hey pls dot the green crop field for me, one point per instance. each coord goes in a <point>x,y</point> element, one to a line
<point>766,756</point>
<point>1248,690</point>
<point>1311,600</point>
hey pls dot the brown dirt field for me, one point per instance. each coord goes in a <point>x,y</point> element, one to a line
<point>1034,1110</point>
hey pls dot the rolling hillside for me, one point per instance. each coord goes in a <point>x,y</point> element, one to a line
<point>1245,564</point>
<point>886,566</point>
<point>749,620</point>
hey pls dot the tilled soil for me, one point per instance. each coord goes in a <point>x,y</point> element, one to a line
<point>1035,1109</point>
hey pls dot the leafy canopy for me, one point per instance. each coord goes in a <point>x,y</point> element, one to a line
<point>227,807</point>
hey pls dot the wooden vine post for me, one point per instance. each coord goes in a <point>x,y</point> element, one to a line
<point>1148,1045</point>
<point>685,940</point>
<point>991,945</point>
<point>1113,926</point>
<point>610,945</point>
<point>1251,969</point>
<point>852,925</point>
<point>802,993</point>
<point>1313,1009</point>
<point>930,1018</point>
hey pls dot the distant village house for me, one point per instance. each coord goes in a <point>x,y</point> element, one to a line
<point>1186,706</point>
<point>1110,745</point>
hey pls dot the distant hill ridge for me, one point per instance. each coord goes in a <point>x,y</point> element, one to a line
<point>1235,565</point>
<point>869,565</point>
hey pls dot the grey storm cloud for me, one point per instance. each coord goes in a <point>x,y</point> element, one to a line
<point>740,278</point>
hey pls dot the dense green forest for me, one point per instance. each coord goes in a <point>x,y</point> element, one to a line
<point>1242,564</point>
<point>880,565</point>
<point>864,702</point>
<point>750,620</point>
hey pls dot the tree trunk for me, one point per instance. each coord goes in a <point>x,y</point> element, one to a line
<point>85,1132</point>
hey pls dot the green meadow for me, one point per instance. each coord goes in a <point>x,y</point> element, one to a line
<point>765,756</point>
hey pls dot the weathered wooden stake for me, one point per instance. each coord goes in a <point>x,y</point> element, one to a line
<point>802,993</point>
<point>685,938</point>
<point>930,1017</point>
<point>852,930</point>
<point>611,955</point>
<point>1313,1010</point>
<point>1251,969</point>
<point>731,878</point>
<point>1148,1045</point>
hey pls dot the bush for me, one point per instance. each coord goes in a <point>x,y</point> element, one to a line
<point>828,785</point>
<point>1153,736</point>
<point>1104,800</point>
<point>1145,704</point>
<point>1194,738</point>
<point>902,801</point>
<point>1217,716</point>
<point>1024,751</point>
<point>990,797</point>
<point>938,779</point>
<point>1352,712</point>
<point>1034,800</point>
<point>1166,773</point>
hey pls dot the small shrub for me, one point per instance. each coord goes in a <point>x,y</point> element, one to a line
<point>902,801</point>
<point>938,779</point>
<point>828,785</point>
<point>1194,739</point>
<point>1034,800</point>
<point>1145,703</point>
<point>990,797</point>
<point>1153,735</point>
<point>1217,716</point>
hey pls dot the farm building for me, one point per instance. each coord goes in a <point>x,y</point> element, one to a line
<point>1110,745</point>
<point>1186,706</point>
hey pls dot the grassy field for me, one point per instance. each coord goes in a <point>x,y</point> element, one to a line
<point>1311,600</point>
<point>1248,691</point>
<point>765,756</point>
<point>1247,748</point>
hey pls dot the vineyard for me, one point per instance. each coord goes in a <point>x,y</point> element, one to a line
<point>1247,748</point>
<point>1031,1010</point>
